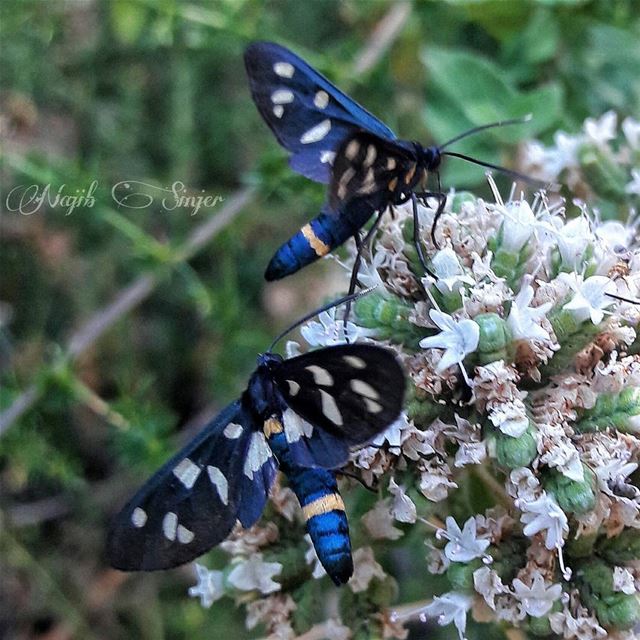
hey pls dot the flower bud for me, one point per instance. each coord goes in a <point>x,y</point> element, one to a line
<point>495,339</point>
<point>512,453</point>
<point>623,548</point>
<point>573,496</point>
<point>620,411</point>
<point>605,177</point>
<point>620,611</point>
<point>460,574</point>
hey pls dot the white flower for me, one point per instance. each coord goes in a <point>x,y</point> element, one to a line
<point>573,239</point>
<point>518,225</point>
<point>488,584</point>
<point>210,586</point>
<point>616,236</point>
<point>590,296</point>
<point>329,331</point>
<point>379,522</point>
<point>544,514</point>
<point>631,130</point>
<point>402,507</point>
<point>634,186</point>
<point>463,545</point>
<point>451,607</point>
<point>255,574</point>
<point>457,337</point>
<point>523,320</point>
<point>538,599</point>
<point>615,472</point>
<point>602,129</point>
<point>451,275</point>
<point>510,417</point>
<point>368,274</point>
<point>623,580</point>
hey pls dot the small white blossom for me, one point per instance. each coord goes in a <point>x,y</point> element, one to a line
<point>379,522</point>
<point>402,507</point>
<point>623,580</point>
<point>518,226</point>
<point>523,320</point>
<point>451,607</point>
<point>451,275</point>
<point>365,569</point>
<point>603,129</point>
<point>538,599</point>
<point>464,545</point>
<point>616,236</point>
<point>613,472</point>
<point>457,337</point>
<point>255,574</point>
<point>590,297</point>
<point>544,514</point>
<point>329,331</point>
<point>510,417</point>
<point>573,239</point>
<point>634,186</point>
<point>210,586</point>
<point>631,130</point>
<point>488,584</point>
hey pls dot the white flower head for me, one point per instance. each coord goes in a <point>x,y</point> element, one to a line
<point>457,337</point>
<point>603,129</point>
<point>402,507</point>
<point>210,586</point>
<point>464,545</point>
<point>523,320</point>
<point>614,472</point>
<point>510,417</point>
<point>538,599</point>
<point>631,130</point>
<point>329,331</point>
<point>255,574</point>
<point>451,275</point>
<point>544,514</point>
<point>451,607</point>
<point>590,297</point>
<point>518,225</point>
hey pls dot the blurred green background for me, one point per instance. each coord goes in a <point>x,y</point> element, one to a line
<point>155,92</point>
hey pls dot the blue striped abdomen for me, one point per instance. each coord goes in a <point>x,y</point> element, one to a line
<point>317,238</point>
<point>323,509</point>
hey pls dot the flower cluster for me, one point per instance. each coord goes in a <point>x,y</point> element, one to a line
<point>515,460</point>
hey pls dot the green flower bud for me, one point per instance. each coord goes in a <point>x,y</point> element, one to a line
<point>389,316</point>
<point>460,574</point>
<point>621,549</point>
<point>603,174</point>
<point>495,338</point>
<point>581,547</point>
<point>598,576</point>
<point>461,198</point>
<point>422,408</point>
<point>573,496</point>
<point>620,411</point>
<point>508,262</point>
<point>620,611</point>
<point>510,452</point>
<point>541,627</point>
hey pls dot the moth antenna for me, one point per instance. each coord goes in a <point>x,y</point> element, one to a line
<point>508,172</point>
<point>326,307</point>
<point>491,125</point>
<point>622,298</point>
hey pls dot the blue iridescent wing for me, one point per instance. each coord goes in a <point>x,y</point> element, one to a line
<point>192,503</point>
<point>308,114</point>
<point>352,391</point>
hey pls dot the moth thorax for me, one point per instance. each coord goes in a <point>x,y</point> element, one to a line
<point>428,157</point>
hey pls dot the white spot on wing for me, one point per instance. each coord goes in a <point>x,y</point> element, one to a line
<point>317,133</point>
<point>278,110</point>
<point>364,389</point>
<point>355,362</point>
<point>330,408</point>
<point>372,406</point>
<point>321,99</point>
<point>320,375</point>
<point>352,149</point>
<point>371,156</point>
<point>391,164</point>
<point>184,535</point>
<point>219,482</point>
<point>294,387</point>
<point>232,431</point>
<point>187,472</point>
<point>295,427</point>
<point>170,526</point>
<point>138,517</point>
<point>282,96</point>
<point>257,454</point>
<point>327,157</point>
<point>284,69</point>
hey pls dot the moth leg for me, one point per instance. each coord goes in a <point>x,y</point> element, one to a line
<point>353,476</point>
<point>361,244</point>
<point>416,234</point>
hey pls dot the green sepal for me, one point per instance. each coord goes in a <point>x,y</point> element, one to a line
<point>510,452</point>
<point>573,496</point>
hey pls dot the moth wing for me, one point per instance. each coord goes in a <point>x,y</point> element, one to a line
<point>351,391</point>
<point>308,114</point>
